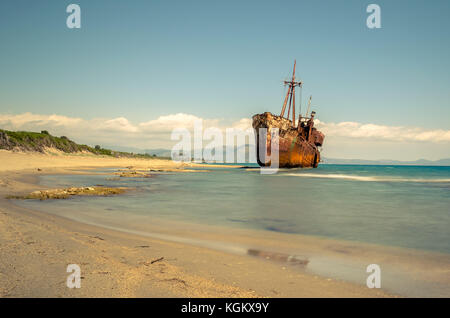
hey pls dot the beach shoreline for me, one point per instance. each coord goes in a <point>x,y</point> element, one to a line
<point>36,248</point>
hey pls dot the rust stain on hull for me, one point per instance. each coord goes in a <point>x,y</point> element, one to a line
<point>293,148</point>
<point>299,140</point>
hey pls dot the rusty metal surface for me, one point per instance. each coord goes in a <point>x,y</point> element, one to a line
<point>298,147</point>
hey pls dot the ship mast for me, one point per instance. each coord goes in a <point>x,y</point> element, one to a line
<point>290,95</point>
<point>309,106</point>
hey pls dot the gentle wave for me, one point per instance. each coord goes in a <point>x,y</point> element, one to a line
<point>365,178</point>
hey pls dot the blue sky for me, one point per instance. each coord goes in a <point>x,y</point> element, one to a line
<point>226,59</point>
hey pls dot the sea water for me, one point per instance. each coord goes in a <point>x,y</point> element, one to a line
<point>404,206</point>
<point>389,206</point>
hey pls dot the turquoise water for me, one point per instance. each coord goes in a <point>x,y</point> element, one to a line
<point>405,206</point>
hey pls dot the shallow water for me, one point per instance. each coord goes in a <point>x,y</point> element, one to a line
<point>389,205</point>
<point>399,206</point>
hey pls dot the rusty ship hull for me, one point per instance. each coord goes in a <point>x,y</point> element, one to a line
<point>294,149</point>
<point>298,141</point>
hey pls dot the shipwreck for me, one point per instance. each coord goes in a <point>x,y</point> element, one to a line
<point>299,142</point>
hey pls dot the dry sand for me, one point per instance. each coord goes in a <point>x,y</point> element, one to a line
<point>35,249</point>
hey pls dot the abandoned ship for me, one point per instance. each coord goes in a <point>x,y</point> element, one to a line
<point>299,141</point>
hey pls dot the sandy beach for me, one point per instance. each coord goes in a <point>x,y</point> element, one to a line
<point>224,149</point>
<point>36,248</point>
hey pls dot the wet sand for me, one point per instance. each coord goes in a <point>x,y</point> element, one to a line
<point>36,248</point>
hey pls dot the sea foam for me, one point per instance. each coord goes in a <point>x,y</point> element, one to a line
<point>366,178</point>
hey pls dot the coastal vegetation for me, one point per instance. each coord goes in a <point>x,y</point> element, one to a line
<point>43,141</point>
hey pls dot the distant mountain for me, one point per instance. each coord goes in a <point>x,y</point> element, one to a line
<point>443,162</point>
<point>160,152</point>
<point>157,152</point>
<point>242,151</point>
<point>420,162</point>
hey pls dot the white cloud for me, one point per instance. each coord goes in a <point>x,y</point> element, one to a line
<point>381,132</point>
<point>155,133</point>
<point>25,120</point>
<point>117,124</point>
<point>244,124</point>
<point>169,122</point>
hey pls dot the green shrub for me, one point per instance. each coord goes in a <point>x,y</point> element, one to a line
<point>34,141</point>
